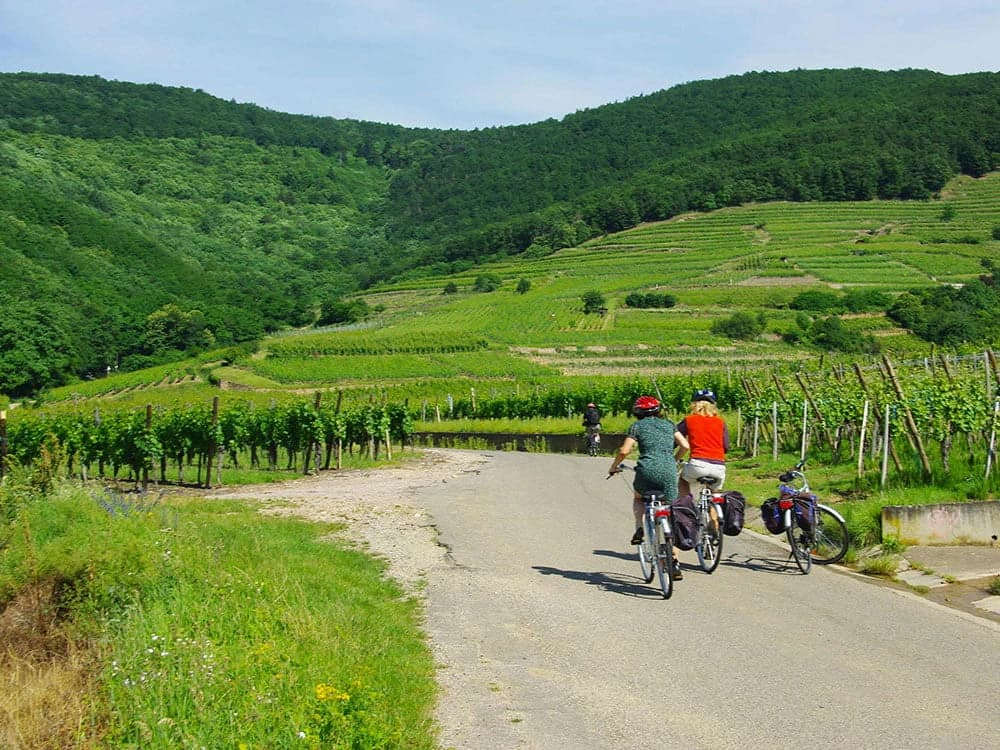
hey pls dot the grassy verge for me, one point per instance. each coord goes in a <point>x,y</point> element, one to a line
<point>135,623</point>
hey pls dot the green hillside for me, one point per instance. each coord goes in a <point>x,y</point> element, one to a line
<point>141,224</point>
<point>757,259</point>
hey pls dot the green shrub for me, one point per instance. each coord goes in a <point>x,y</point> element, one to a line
<point>487,282</point>
<point>741,325</point>
<point>816,301</point>
<point>593,301</point>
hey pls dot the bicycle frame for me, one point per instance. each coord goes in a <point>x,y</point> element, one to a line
<point>656,522</point>
<point>656,556</point>
<point>708,545</point>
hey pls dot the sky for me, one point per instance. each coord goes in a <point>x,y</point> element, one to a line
<point>469,64</point>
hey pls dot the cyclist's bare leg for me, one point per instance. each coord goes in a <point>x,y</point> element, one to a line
<point>683,488</point>
<point>638,509</point>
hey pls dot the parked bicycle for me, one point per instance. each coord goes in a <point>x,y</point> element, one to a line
<point>816,532</point>
<point>656,551</point>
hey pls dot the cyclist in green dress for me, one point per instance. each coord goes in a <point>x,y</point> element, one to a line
<point>655,469</point>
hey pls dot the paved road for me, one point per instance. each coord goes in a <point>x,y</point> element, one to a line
<point>548,638</point>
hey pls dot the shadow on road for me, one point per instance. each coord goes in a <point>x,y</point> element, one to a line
<point>616,554</point>
<point>776,565</point>
<point>613,582</point>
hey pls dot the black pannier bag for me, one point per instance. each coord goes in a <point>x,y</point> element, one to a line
<point>805,512</point>
<point>734,513</point>
<point>684,520</point>
<point>770,514</point>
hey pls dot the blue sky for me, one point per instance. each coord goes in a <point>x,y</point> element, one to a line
<point>477,63</point>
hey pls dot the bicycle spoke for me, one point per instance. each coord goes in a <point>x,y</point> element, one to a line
<point>831,538</point>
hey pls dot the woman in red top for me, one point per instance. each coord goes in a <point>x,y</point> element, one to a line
<point>708,435</point>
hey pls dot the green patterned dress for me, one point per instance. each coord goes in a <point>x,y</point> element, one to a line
<point>656,470</point>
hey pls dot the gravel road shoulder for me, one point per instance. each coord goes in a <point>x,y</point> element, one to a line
<point>375,507</point>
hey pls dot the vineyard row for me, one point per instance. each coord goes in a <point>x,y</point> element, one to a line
<point>942,404</point>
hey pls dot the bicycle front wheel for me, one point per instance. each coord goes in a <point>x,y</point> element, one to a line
<point>801,543</point>
<point>830,538</point>
<point>709,546</point>
<point>665,558</point>
<point>647,558</point>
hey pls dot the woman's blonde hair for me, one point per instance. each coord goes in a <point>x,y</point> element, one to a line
<point>704,408</point>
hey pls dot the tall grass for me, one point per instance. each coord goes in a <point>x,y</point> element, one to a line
<point>208,624</point>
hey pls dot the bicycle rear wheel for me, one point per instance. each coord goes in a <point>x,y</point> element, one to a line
<point>830,538</point>
<point>665,557</point>
<point>709,547</point>
<point>647,558</point>
<point>801,543</point>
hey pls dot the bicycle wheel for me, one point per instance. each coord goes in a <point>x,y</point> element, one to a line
<point>830,538</point>
<point>647,559</point>
<point>709,545</point>
<point>664,558</point>
<point>801,543</point>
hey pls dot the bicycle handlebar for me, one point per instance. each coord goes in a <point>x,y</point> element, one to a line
<point>621,468</point>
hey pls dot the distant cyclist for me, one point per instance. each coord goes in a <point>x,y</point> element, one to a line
<point>655,469</point>
<point>708,437</point>
<point>592,418</point>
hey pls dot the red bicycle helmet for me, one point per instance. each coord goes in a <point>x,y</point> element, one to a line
<point>646,406</point>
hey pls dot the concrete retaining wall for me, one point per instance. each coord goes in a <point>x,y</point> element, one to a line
<point>943,523</point>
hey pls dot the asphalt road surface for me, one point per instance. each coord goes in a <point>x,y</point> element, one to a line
<point>548,638</point>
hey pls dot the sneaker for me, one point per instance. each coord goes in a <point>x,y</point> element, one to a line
<point>637,536</point>
<point>678,573</point>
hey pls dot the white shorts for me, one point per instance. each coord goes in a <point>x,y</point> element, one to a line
<point>695,468</point>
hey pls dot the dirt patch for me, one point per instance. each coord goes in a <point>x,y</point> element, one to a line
<point>963,595</point>
<point>372,505</point>
<point>779,281</point>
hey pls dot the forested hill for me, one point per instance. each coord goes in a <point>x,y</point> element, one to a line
<point>141,221</point>
<point>804,135</point>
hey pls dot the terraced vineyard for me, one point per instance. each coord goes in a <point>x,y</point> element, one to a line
<point>423,343</point>
<point>754,258</point>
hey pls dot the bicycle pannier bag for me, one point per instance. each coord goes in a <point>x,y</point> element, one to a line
<point>770,514</point>
<point>805,512</point>
<point>684,520</point>
<point>733,513</point>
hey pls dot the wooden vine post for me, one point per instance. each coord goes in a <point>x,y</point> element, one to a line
<point>816,411</point>
<point>754,394</point>
<point>875,418</point>
<point>3,443</point>
<point>145,463</point>
<point>991,358</point>
<point>861,441</point>
<point>911,425</point>
<point>340,440</point>
<point>886,449</point>
<point>211,443</point>
<point>312,447</point>
<point>774,430</point>
<point>991,450</point>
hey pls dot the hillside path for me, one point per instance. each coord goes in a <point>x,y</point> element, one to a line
<point>547,638</point>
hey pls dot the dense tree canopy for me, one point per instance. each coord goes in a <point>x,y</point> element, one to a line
<point>151,221</point>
